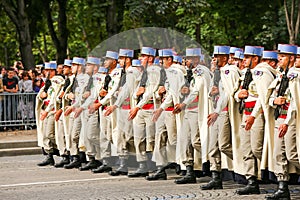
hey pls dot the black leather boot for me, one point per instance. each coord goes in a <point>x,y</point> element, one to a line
<point>92,164</point>
<point>103,168</point>
<point>122,170</point>
<point>142,171</point>
<point>47,161</point>
<point>283,192</point>
<point>74,164</point>
<point>189,177</point>
<point>160,174</point>
<point>82,157</point>
<point>64,161</point>
<point>251,188</point>
<point>215,183</point>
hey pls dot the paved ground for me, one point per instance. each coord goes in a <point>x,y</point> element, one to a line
<point>20,178</point>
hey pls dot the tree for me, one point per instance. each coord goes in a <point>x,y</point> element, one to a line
<point>59,39</point>
<point>16,10</point>
<point>292,25</point>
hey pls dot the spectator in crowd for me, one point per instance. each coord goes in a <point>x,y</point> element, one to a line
<point>10,85</point>
<point>3,72</point>
<point>37,84</point>
<point>25,84</point>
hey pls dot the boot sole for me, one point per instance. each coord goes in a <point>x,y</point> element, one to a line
<point>212,188</point>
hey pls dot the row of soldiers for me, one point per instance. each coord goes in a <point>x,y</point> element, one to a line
<point>241,114</point>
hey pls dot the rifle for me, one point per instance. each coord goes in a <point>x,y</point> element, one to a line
<point>47,83</point>
<point>143,82</point>
<point>216,80</point>
<point>189,76</point>
<point>284,84</point>
<point>247,80</point>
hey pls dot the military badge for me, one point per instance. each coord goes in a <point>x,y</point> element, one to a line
<point>258,73</point>
<point>198,72</point>
<point>292,76</point>
<point>227,71</point>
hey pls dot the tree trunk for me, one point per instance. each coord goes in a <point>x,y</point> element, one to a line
<point>60,41</point>
<point>293,28</point>
<point>19,18</point>
<point>111,19</point>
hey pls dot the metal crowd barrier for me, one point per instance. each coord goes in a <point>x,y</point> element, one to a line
<point>17,109</point>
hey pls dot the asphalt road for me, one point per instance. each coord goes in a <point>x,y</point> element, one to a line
<point>20,179</point>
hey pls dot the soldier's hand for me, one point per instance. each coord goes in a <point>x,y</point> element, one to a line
<point>109,110</point>
<point>214,91</point>
<point>71,96</point>
<point>185,90</point>
<point>140,91</point>
<point>279,101</point>
<point>161,90</point>
<point>282,130</point>
<point>243,94</point>
<point>43,95</point>
<point>211,118</point>
<point>43,115</point>
<point>132,113</point>
<point>61,95</point>
<point>78,112</point>
<point>58,114</point>
<point>178,108</point>
<point>94,107</point>
<point>86,94</point>
<point>249,122</point>
<point>156,114</point>
<point>68,111</point>
<point>103,93</point>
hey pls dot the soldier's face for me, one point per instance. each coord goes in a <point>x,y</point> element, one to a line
<point>89,68</point>
<point>108,62</point>
<point>121,61</point>
<point>247,60</point>
<point>74,68</point>
<point>283,60</point>
<point>144,60</point>
<point>66,70</point>
<point>59,69</point>
<point>231,59</point>
<point>297,62</point>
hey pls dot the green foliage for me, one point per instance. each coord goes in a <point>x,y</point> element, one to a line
<point>230,22</point>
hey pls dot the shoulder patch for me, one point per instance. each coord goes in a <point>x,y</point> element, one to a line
<point>227,71</point>
<point>198,71</point>
<point>292,76</point>
<point>258,73</point>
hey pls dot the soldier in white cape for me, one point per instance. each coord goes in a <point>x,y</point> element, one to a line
<point>46,99</point>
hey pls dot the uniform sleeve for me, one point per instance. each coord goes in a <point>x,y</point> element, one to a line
<point>111,92</point>
<point>257,108</point>
<point>167,102</point>
<point>195,91</point>
<point>222,103</point>
<point>124,93</point>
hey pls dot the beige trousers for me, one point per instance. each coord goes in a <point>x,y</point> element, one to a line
<point>165,139</point>
<point>220,141</point>
<point>49,133</point>
<point>105,135</point>
<point>190,140</point>
<point>252,144</point>
<point>285,150</point>
<point>60,137</point>
<point>144,134</point>
<point>124,136</point>
<point>75,127</point>
<point>93,135</point>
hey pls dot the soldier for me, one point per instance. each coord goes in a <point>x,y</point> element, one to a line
<point>194,129</point>
<point>60,135</point>
<point>90,127</point>
<point>125,101</point>
<point>238,59</point>
<point>285,145</point>
<point>166,126</point>
<point>232,53</point>
<point>45,113</point>
<point>220,140</point>
<point>143,126</point>
<point>124,136</point>
<point>107,95</point>
<point>75,95</point>
<point>252,127</point>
